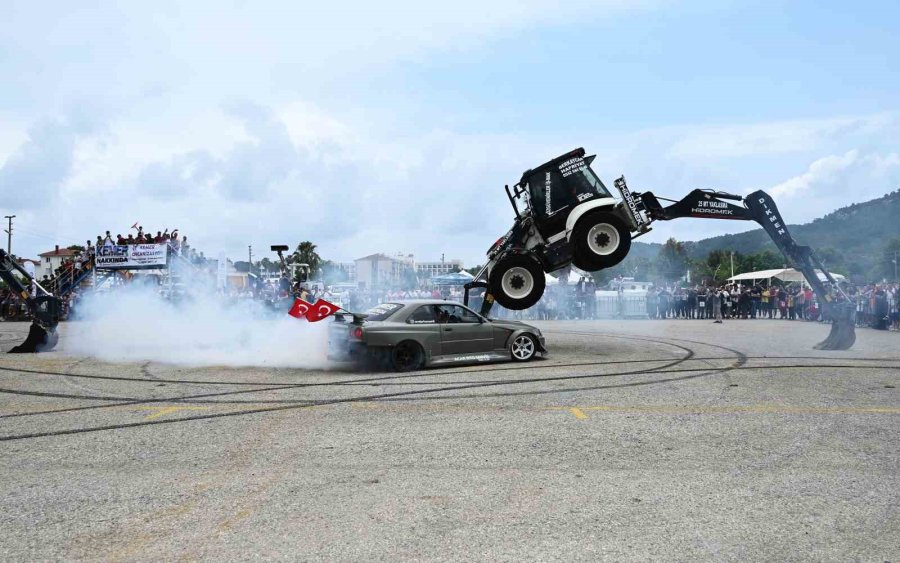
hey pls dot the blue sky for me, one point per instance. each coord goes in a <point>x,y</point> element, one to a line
<point>393,126</point>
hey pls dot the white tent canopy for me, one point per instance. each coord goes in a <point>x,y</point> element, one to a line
<point>783,274</point>
<point>572,279</point>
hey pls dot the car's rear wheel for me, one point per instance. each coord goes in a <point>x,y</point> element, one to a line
<point>523,348</point>
<point>601,240</point>
<point>407,356</point>
<point>517,282</point>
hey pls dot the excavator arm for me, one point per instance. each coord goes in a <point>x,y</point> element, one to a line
<point>758,206</point>
<point>44,307</point>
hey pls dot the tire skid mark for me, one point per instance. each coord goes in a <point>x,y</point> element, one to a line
<point>349,400</point>
<point>739,360</point>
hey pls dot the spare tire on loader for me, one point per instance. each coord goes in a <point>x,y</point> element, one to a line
<point>517,281</point>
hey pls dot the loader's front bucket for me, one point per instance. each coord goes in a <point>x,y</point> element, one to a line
<point>39,340</point>
<point>843,329</point>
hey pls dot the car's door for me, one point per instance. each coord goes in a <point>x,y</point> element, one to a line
<point>463,332</point>
<point>428,331</point>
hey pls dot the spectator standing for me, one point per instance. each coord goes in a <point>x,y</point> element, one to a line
<point>718,305</point>
<point>651,300</point>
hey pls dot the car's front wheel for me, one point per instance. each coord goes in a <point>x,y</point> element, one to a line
<point>407,356</point>
<point>523,348</point>
<point>600,241</point>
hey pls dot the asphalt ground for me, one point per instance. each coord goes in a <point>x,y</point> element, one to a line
<point>635,440</point>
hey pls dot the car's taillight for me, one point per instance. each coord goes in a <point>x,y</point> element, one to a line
<point>356,333</point>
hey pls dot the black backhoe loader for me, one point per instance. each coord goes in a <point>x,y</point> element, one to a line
<point>565,215</point>
<point>43,306</point>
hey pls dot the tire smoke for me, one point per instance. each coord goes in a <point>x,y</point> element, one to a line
<point>137,324</point>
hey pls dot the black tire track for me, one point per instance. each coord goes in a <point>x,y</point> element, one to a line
<point>367,398</point>
<point>739,357</point>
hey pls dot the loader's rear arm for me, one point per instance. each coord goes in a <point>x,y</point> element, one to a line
<point>7,266</point>
<point>44,308</point>
<point>759,206</point>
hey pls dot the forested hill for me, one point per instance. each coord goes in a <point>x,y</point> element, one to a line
<point>852,230</point>
<point>854,239</point>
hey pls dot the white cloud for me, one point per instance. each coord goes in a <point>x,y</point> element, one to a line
<point>261,176</point>
<point>835,181</point>
<point>823,170</point>
<point>788,136</point>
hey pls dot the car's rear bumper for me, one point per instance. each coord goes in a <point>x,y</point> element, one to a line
<point>346,351</point>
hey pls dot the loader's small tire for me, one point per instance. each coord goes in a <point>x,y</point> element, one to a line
<point>600,240</point>
<point>517,282</point>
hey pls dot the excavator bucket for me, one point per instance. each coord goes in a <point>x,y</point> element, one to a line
<point>39,340</point>
<point>843,330</point>
<point>841,337</point>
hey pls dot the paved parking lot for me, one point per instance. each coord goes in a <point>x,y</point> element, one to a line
<point>633,440</point>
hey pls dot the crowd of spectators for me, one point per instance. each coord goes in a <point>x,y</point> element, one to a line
<point>878,306</point>
<point>65,280</point>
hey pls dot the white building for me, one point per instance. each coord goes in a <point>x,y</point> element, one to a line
<point>349,269</point>
<point>52,260</point>
<point>381,271</point>
<point>432,269</point>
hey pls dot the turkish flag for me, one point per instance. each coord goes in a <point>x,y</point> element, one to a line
<point>321,309</point>
<point>299,309</point>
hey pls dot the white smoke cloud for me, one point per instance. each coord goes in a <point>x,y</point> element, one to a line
<point>137,324</point>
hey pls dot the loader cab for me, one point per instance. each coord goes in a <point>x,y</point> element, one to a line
<point>554,189</point>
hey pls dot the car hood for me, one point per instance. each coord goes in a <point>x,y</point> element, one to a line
<point>512,325</point>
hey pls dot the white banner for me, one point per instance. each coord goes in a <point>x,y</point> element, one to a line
<point>131,256</point>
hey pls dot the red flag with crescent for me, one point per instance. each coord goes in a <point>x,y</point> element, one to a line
<point>321,309</point>
<point>299,309</point>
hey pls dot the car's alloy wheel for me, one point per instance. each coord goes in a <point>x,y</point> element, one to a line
<point>600,241</point>
<point>407,356</point>
<point>517,281</point>
<point>523,348</point>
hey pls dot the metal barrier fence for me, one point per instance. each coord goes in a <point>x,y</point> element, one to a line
<point>624,306</point>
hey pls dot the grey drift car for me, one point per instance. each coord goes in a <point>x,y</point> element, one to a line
<point>408,335</point>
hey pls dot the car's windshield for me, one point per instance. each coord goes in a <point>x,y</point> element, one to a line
<point>382,312</point>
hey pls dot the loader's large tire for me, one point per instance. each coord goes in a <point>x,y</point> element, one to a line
<point>600,240</point>
<point>517,281</point>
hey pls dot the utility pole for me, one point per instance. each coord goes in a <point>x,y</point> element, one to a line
<point>250,259</point>
<point>732,263</point>
<point>9,234</point>
<point>895,260</point>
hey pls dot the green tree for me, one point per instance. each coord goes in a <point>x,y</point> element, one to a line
<point>672,262</point>
<point>306,254</point>
<point>269,265</point>
<point>889,261</point>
